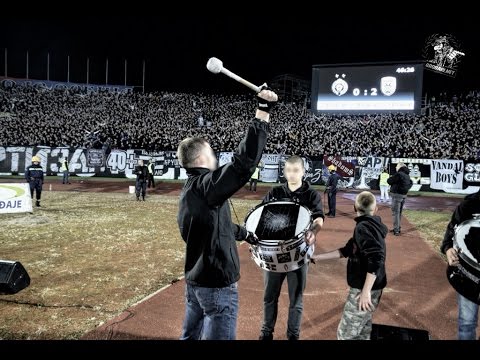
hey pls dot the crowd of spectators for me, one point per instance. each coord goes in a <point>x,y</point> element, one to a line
<point>159,121</point>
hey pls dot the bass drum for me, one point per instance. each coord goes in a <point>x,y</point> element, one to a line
<point>280,227</point>
<point>465,278</point>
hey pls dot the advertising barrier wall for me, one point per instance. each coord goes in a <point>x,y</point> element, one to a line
<point>453,176</point>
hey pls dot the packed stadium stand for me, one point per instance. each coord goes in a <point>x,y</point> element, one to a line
<point>159,121</point>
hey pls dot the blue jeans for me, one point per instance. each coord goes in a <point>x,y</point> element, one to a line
<point>140,186</point>
<point>467,318</point>
<point>398,201</point>
<point>65,177</point>
<point>210,313</point>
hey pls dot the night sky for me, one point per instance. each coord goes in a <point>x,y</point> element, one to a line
<point>177,46</point>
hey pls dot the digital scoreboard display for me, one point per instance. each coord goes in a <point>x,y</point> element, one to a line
<point>367,88</point>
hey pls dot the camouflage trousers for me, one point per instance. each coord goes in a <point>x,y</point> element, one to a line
<point>356,324</point>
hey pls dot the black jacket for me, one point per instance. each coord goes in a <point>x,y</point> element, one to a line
<point>464,211</point>
<point>204,215</point>
<point>400,182</point>
<point>141,172</point>
<point>332,183</point>
<point>34,173</point>
<point>366,252</point>
<point>305,196</point>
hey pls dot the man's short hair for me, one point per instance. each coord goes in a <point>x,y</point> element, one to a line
<point>189,149</point>
<point>365,203</point>
<point>295,159</point>
<point>400,165</point>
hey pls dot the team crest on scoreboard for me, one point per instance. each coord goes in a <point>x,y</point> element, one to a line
<point>339,86</point>
<point>388,85</point>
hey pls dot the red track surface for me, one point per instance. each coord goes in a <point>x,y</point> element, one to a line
<point>418,294</point>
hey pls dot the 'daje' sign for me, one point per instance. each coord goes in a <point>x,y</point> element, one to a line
<point>15,198</point>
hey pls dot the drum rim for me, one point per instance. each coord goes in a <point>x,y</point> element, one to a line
<point>458,246</point>
<point>281,243</point>
<point>286,201</point>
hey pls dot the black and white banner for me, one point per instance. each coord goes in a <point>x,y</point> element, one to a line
<point>271,164</point>
<point>419,171</point>
<point>446,174</point>
<point>368,171</point>
<point>453,176</point>
<point>471,175</point>
<point>89,162</point>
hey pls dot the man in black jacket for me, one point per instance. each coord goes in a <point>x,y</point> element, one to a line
<point>400,184</point>
<point>366,274</point>
<point>299,191</point>
<point>212,266</point>
<point>467,310</point>
<point>34,176</point>
<point>331,190</point>
<point>141,183</point>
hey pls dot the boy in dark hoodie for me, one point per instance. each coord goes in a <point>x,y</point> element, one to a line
<point>366,274</point>
<point>300,191</point>
<point>400,184</point>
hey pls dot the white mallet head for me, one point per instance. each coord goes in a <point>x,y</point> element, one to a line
<point>214,65</point>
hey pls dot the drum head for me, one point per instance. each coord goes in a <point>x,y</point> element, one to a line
<point>279,220</point>
<point>280,227</point>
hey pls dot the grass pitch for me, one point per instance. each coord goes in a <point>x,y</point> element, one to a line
<point>89,256</point>
<point>431,225</point>
<point>92,255</point>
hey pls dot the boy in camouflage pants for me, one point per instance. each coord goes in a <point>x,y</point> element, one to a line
<point>366,274</point>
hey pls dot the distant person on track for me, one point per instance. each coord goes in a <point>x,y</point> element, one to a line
<point>212,266</point>
<point>34,176</point>
<point>331,190</point>
<point>151,172</point>
<point>64,169</point>
<point>400,183</point>
<point>254,178</point>
<point>141,182</point>
<point>384,185</point>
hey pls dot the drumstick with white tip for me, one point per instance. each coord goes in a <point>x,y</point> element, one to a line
<point>215,66</point>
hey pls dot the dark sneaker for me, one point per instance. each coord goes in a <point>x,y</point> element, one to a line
<point>266,336</point>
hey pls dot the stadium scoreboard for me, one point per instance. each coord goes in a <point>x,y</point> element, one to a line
<point>367,88</point>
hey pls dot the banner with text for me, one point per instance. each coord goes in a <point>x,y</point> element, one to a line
<point>15,198</point>
<point>89,162</point>
<point>368,171</point>
<point>446,174</point>
<point>345,168</point>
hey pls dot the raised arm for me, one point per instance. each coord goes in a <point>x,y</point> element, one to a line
<point>222,183</point>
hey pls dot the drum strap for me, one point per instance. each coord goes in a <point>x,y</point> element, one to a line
<point>233,208</point>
